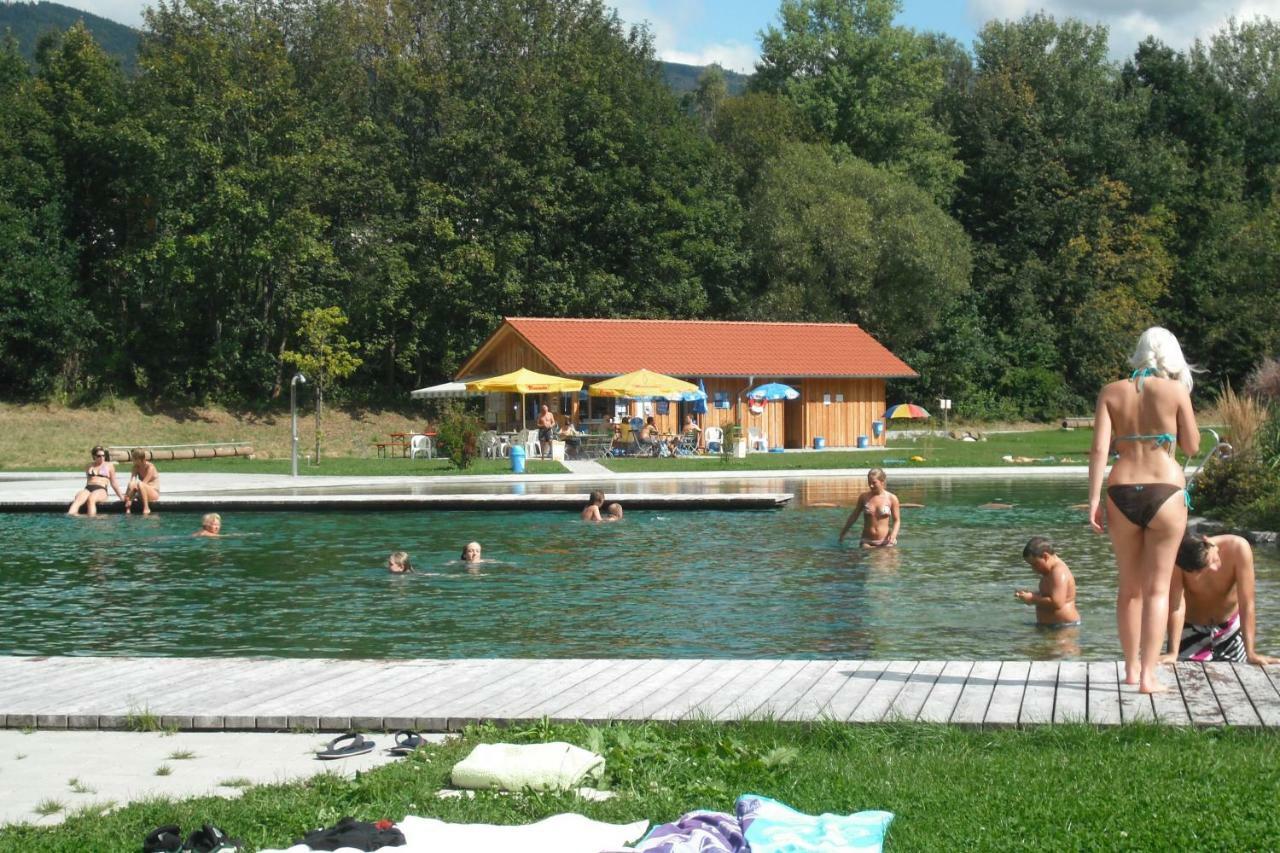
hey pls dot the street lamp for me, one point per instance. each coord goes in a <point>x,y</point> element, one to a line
<point>293,414</point>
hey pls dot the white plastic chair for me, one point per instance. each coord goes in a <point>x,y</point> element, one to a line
<point>714,438</point>
<point>756,438</point>
<point>421,444</point>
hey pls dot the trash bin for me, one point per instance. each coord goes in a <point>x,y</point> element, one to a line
<point>517,459</point>
<point>877,428</point>
<point>862,442</point>
<point>819,442</point>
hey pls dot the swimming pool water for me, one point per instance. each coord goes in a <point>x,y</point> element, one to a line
<point>660,583</point>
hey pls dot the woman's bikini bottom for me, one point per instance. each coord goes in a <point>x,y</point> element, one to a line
<point>1141,501</point>
<point>95,487</point>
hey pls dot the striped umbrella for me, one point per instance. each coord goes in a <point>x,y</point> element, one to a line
<point>905,410</point>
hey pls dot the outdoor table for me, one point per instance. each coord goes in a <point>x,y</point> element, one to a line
<point>401,441</point>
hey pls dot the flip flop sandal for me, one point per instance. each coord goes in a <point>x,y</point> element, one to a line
<point>210,839</point>
<point>163,839</point>
<point>344,746</point>
<point>406,742</point>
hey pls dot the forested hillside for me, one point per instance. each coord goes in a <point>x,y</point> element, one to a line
<point>26,22</point>
<point>1007,220</point>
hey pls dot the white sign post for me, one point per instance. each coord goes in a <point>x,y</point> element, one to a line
<point>944,403</point>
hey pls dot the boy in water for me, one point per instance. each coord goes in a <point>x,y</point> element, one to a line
<point>471,553</point>
<point>398,563</point>
<point>880,507</point>
<point>210,525</point>
<point>1056,601</point>
<point>591,512</point>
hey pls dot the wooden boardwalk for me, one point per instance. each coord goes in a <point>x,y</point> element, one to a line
<point>211,694</point>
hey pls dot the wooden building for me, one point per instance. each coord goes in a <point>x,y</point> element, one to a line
<point>839,370</point>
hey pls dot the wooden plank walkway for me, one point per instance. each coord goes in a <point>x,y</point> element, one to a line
<point>211,694</point>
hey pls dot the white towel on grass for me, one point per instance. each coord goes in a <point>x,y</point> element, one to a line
<point>562,833</point>
<point>535,766</point>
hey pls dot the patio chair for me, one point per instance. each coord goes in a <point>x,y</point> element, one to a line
<point>714,438</point>
<point>756,439</point>
<point>489,445</point>
<point>688,443</point>
<point>421,444</point>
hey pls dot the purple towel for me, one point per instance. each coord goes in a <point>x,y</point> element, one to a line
<point>697,832</point>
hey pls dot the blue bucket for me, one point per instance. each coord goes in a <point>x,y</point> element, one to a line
<point>862,442</point>
<point>517,459</point>
<point>877,428</point>
<point>819,442</point>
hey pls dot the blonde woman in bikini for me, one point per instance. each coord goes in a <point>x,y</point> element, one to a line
<point>880,513</point>
<point>98,477</point>
<point>1144,417</point>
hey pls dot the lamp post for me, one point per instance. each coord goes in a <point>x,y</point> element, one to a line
<point>293,414</point>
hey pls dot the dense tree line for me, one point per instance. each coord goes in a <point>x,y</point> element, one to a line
<point>1007,219</point>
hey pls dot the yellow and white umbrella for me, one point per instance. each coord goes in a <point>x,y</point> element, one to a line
<point>522,382</point>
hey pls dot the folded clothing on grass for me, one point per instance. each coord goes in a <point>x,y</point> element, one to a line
<point>551,766</point>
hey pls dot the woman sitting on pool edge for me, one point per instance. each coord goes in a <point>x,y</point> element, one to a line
<point>99,475</point>
<point>144,481</point>
<point>881,506</point>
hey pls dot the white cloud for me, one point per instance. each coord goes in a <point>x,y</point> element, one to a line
<point>675,25</point>
<point>1177,23</point>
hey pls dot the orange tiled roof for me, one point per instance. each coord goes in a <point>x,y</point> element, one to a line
<point>585,347</point>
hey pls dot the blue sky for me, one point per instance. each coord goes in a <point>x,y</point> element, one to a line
<point>726,31</point>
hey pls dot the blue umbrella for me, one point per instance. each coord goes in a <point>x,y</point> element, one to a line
<point>773,391</point>
<point>699,406</point>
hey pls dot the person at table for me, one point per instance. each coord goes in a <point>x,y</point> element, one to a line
<point>649,434</point>
<point>144,482</point>
<point>546,424</point>
<point>570,436</point>
<point>1213,617</point>
<point>100,474</point>
<point>880,511</point>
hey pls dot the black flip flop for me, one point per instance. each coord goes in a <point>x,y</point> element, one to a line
<point>356,744</point>
<point>163,839</point>
<point>210,839</point>
<point>406,742</point>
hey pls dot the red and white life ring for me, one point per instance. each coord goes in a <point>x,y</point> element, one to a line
<point>755,405</point>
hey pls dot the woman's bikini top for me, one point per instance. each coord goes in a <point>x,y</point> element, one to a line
<point>96,471</point>
<point>1160,439</point>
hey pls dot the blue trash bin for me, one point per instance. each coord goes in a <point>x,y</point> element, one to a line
<point>862,442</point>
<point>877,428</point>
<point>517,459</point>
<point>819,442</point>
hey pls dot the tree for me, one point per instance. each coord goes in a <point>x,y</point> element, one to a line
<point>863,82</point>
<point>324,355</point>
<point>40,311</point>
<point>836,239</point>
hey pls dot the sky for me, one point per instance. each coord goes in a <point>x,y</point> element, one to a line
<point>699,32</point>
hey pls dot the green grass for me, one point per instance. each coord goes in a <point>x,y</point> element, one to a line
<point>181,755</point>
<point>164,770</point>
<point>78,787</point>
<point>1066,787</point>
<point>1068,447</point>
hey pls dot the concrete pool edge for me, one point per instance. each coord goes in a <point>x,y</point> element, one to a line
<point>436,503</point>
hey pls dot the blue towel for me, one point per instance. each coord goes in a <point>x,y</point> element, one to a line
<point>771,827</point>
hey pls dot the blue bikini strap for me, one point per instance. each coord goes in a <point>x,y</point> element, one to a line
<point>1140,374</point>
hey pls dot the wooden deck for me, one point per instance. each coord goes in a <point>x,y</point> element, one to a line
<point>211,694</point>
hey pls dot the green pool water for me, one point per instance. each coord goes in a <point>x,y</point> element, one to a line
<point>663,584</point>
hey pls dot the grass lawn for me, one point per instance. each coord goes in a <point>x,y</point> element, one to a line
<point>1066,787</point>
<point>1067,447</point>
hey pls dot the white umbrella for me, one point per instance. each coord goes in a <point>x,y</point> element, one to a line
<point>444,390</point>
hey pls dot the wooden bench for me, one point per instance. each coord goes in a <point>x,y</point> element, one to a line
<point>208,450</point>
<point>1078,423</point>
<point>395,446</point>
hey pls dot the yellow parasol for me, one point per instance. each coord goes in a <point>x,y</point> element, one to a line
<point>643,384</point>
<point>525,381</point>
